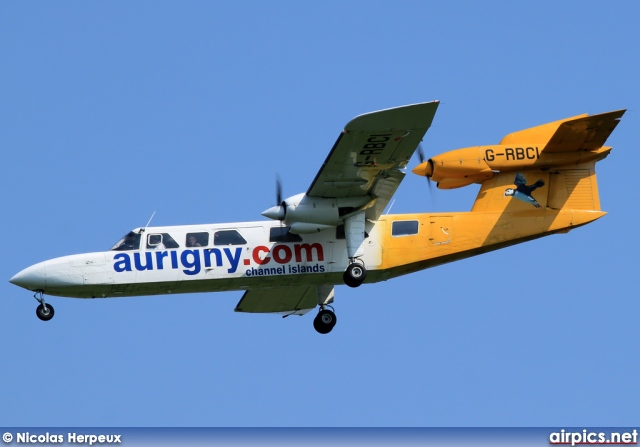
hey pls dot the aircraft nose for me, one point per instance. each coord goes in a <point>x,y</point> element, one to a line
<point>31,278</point>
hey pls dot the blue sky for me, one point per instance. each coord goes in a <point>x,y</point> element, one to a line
<point>111,111</point>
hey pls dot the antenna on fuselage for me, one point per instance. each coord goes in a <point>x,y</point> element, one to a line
<point>145,227</point>
<point>389,209</point>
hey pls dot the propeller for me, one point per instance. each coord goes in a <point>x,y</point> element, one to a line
<point>279,211</point>
<point>278,190</point>
<point>420,152</point>
<point>426,170</point>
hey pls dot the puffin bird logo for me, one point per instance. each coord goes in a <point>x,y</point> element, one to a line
<point>522,191</point>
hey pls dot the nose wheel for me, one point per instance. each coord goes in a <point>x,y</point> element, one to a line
<point>355,274</point>
<point>324,321</point>
<point>44,311</point>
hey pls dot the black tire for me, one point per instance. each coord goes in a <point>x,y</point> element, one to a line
<point>354,275</point>
<point>327,317</point>
<point>324,321</point>
<point>319,327</point>
<point>45,316</point>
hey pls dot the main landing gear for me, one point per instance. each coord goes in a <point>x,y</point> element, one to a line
<point>355,234</point>
<point>324,321</point>
<point>44,311</point>
<point>355,274</point>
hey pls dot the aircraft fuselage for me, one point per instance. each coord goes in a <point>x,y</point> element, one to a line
<point>396,245</point>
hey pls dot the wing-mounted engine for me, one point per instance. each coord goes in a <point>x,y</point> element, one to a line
<point>572,141</point>
<point>357,179</point>
<point>306,214</point>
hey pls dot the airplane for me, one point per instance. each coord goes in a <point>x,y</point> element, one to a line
<point>536,182</point>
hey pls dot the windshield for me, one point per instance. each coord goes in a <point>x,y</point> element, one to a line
<point>130,242</point>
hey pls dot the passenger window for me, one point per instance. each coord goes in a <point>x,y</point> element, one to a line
<point>160,241</point>
<point>404,227</point>
<point>283,234</point>
<point>228,237</point>
<point>197,239</point>
<point>130,242</point>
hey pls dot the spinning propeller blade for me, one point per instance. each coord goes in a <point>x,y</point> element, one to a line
<point>279,211</point>
<point>278,190</point>
<point>422,159</point>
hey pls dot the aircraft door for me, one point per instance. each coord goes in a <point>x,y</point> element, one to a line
<point>441,230</point>
<point>300,253</point>
<point>327,240</point>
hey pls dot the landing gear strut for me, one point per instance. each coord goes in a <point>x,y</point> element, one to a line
<point>324,321</point>
<point>44,311</point>
<point>355,274</point>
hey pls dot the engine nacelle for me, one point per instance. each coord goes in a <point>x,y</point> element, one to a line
<point>308,228</point>
<point>455,169</point>
<point>452,183</point>
<point>576,141</point>
<point>302,209</point>
<point>306,214</point>
<point>462,167</point>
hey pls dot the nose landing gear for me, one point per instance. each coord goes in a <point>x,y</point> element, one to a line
<point>44,311</point>
<point>324,321</point>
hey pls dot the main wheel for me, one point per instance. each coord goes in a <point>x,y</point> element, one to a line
<point>44,315</point>
<point>354,275</point>
<point>324,321</point>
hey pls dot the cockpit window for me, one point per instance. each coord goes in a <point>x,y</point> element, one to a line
<point>228,237</point>
<point>130,242</point>
<point>160,241</point>
<point>197,239</point>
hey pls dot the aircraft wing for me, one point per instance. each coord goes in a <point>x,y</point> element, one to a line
<point>290,300</point>
<point>369,154</point>
<point>586,133</point>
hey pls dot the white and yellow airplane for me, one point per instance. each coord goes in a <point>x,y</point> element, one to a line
<point>536,182</point>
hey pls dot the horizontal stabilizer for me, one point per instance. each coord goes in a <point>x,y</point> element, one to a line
<point>582,132</point>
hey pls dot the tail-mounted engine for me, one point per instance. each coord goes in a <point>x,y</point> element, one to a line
<point>455,169</point>
<point>572,141</point>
